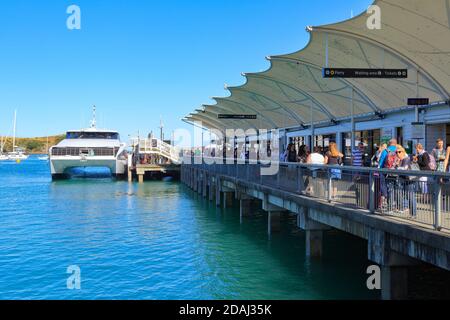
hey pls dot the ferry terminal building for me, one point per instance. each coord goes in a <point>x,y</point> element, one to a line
<point>295,97</point>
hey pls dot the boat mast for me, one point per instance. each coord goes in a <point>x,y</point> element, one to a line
<point>161,128</point>
<point>94,120</point>
<point>14,131</point>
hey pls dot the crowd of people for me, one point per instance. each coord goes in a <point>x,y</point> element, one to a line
<point>387,156</point>
<point>395,191</point>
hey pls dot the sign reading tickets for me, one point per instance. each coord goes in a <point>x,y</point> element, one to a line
<point>365,73</point>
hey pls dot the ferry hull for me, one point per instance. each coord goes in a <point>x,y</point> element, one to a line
<point>60,166</point>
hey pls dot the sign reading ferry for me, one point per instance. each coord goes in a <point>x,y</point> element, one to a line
<point>365,73</point>
<point>238,116</point>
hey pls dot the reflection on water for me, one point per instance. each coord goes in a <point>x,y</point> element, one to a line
<point>89,173</point>
<point>156,241</point>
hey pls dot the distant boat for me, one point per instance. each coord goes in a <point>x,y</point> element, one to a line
<point>46,157</point>
<point>17,153</point>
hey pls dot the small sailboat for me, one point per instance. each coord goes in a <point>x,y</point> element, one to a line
<point>17,153</point>
<point>45,157</point>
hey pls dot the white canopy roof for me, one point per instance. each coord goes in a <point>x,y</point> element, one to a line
<point>414,35</point>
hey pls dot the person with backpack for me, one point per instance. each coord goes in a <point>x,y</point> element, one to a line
<point>388,160</point>
<point>424,159</point>
<point>388,157</point>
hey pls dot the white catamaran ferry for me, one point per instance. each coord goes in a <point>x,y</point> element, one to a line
<point>88,148</point>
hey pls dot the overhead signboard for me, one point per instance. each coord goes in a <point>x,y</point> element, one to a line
<point>365,73</point>
<point>418,101</point>
<point>238,116</point>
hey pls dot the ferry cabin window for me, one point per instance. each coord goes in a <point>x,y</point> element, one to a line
<point>93,135</point>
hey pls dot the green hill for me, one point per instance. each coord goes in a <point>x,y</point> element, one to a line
<point>34,145</point>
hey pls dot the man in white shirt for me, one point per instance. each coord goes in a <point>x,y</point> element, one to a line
<point>318,159</point>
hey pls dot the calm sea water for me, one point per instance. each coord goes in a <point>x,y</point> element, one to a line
<point>156,241</point>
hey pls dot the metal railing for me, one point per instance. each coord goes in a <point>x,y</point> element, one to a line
<point>156,146</point>
<point>421,197</point>
<point>91,152</point>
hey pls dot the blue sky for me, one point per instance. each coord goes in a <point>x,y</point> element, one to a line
<point>137,60</point>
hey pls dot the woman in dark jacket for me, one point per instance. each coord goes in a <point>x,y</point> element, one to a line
<point>292,154</point>
<point>422,158</point>
<point>303,154</point>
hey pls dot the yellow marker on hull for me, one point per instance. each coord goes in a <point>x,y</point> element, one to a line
<point>18,161</point>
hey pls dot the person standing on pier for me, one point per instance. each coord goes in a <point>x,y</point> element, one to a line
<point>358,161</point>
<point>291,153</point>
<point>303,154</point>
<point>315,158</point>
<point>388,159</point>
<point>406,193</point>
<point>334,158</point>
<point>358,155</point>
<point>423,160</point>
<point>440,155</point>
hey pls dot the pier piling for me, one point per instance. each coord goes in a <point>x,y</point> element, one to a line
<point>228,199</point>
<point>273,222</point>
<point>314,243</point>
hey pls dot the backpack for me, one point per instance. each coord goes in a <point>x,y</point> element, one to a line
<point>391,160</point>
<point>432,165</point>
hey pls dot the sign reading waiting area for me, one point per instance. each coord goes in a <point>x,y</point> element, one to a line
<point>365,73</point>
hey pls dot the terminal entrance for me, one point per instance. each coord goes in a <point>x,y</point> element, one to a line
<point>370,138</point>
